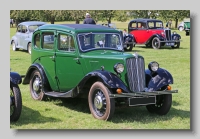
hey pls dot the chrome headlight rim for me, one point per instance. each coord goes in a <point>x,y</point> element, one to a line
<point>153,66</point>
<point>118,68</point>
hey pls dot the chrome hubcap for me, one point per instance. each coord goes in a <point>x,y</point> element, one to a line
<point>98,102</point>
<point>36,84</point>
<point>13,46</point>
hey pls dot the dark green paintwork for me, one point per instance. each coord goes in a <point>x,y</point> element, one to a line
<point>66,70</point>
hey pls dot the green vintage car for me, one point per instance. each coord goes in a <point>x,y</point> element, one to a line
<point>82,60</point>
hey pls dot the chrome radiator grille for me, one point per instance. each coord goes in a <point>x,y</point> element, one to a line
<point>168,35</point>
<point>136,74</point>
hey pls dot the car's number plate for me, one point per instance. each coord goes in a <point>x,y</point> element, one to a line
<point>142,101</point>
<point>169,44</point>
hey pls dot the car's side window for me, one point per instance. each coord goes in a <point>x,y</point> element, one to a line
<point>24,29</point>
<point>142,25</point>
<point>151,24</point>
<point>19,28</point>
<point>134,25</point>
<point>48,40</point>
<point>66,43</point>
<point>37,40</point>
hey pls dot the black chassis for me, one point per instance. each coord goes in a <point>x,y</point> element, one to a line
<point>154,81</point>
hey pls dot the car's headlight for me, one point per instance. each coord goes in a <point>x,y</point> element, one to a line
<point>119,68</point>
<point>162,33</point>
<point>153,66</point>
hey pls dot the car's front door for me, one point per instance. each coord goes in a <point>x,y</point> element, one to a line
<point>68,66</point>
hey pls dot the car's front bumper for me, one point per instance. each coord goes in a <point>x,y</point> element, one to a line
<point>143,94</point>
<point>142,98</point>
<point>170,43</point>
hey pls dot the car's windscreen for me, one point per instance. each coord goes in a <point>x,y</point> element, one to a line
<point>155,24</point>
<point>32,28</point>
<point>89,41</point>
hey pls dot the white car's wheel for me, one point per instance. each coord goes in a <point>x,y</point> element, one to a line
<point>14,46</point>
<point>180,28</point>
<point>29,48</point>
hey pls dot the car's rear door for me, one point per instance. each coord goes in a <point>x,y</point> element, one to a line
<point>47,56</point>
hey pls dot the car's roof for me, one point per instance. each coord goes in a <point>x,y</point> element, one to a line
<point>32,23</point>
<point>144,20</point>
<point>77,27</point>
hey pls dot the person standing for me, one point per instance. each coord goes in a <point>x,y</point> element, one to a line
<point>11,22</point>
<point>88,19</point>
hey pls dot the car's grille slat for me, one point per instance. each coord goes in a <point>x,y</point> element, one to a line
<point>168,35</point>
<point>136,74</point>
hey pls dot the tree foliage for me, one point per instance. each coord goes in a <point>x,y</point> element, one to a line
<point>98,15</point>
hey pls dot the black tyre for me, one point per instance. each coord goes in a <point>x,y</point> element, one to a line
<point>177,44</point>
<point>162,106</point>
<point>130,47</point>
<point>15,102</point>
<point>156,43</point>
<point>29,48</point>
<point>36,86</point>
<point>101,105</point>
<point>14,46</point>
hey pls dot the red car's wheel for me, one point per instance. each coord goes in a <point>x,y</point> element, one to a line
<point>156,43</point>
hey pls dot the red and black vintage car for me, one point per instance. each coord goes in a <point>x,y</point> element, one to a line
<point>151,32</point>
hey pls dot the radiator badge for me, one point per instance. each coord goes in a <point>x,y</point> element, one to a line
<point>135,55</point>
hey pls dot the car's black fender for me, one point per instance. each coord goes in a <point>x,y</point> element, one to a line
<point>40,68</point>
<point>128,38</point>
<point>175,36</point>
<point>109,79</point>
<point>159,36</point>
<point>15,78</point>
<point>158,79</point>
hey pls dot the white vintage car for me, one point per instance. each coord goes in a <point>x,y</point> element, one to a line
<point>23,35</point>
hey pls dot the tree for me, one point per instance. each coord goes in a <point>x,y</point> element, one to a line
<point>107,15</point>
<point>176,15</point>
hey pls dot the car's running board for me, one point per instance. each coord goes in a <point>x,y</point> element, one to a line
<point>59,94</point>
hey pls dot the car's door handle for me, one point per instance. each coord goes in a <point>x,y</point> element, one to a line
<point>52,57</point>
<point>77,60</point>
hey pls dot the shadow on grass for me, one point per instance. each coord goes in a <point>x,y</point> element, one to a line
<point>162,47</point>
<point>30,116</point>
<point>125,114</point>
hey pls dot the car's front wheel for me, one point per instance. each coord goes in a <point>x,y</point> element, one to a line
<point>15,102</point>
<point>101,105</point>
<point>156,43</point>
<point>162,106</point>
<point>14,48</point>
<point>177,44</point>
<point>36,83</point>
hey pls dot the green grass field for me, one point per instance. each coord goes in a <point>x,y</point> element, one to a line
<point>74,113</point>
